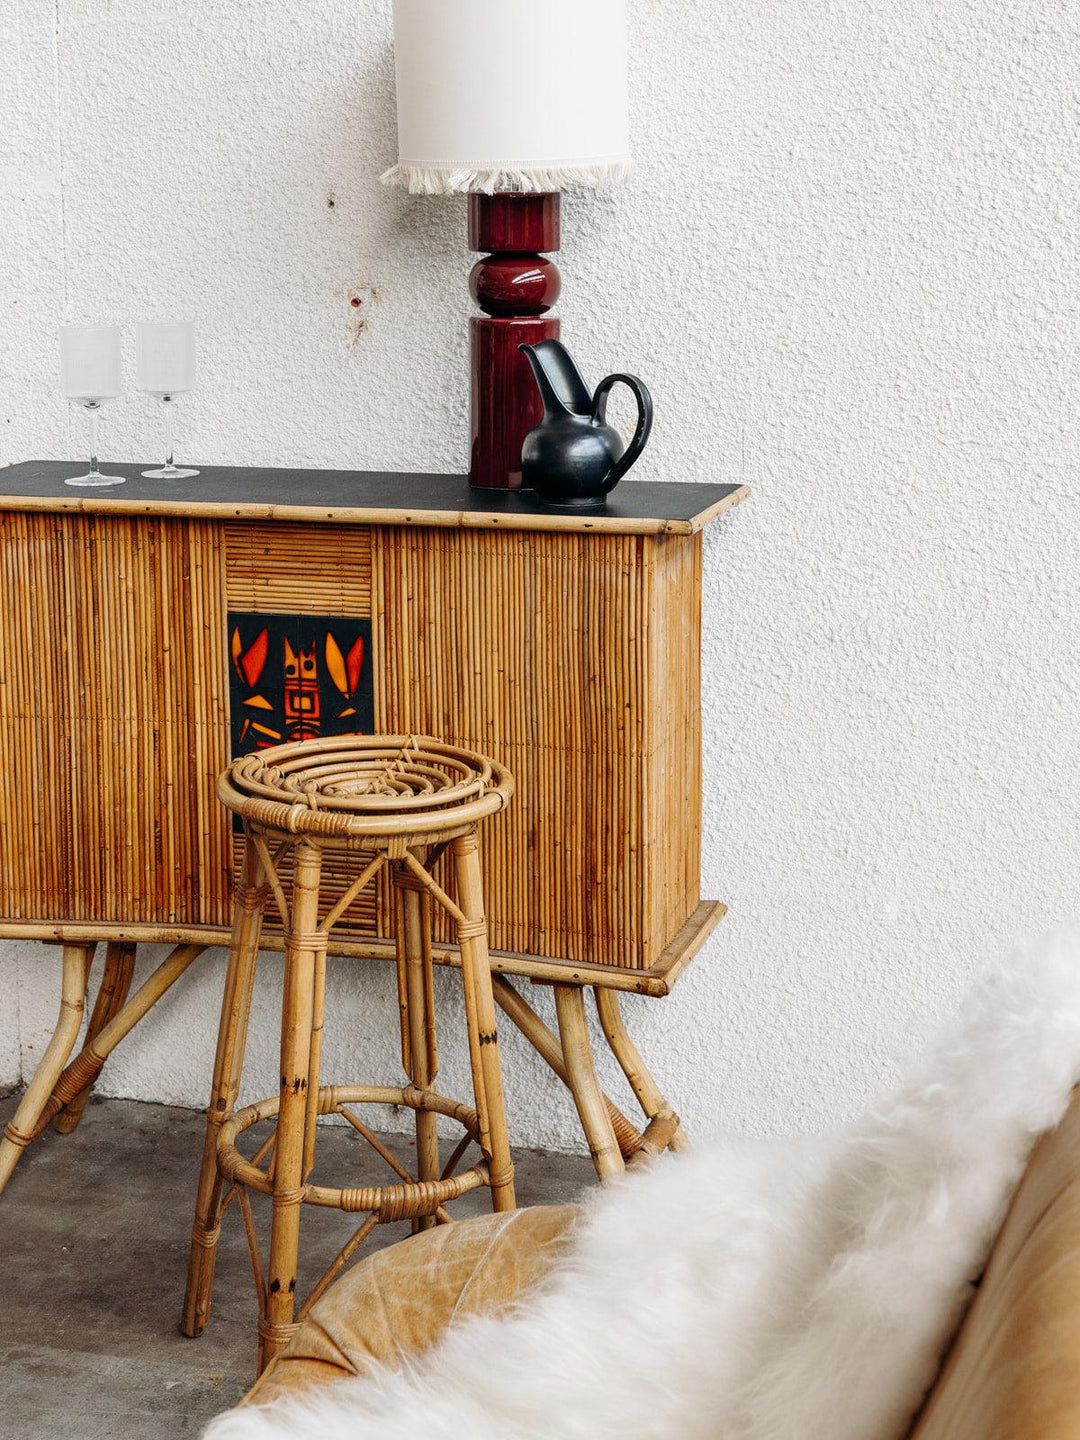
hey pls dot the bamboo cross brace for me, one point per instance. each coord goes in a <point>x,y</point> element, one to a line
<point>376,1144</point>
<point>340,1260</point>
<point>353,891</point>
<point>659,1135</point>
<point>662,1118</point>
<point>430,883</point>
<point>435,854</point>
<point>455,1157</point>
<point>253,1242</point>
<point>272,877</point>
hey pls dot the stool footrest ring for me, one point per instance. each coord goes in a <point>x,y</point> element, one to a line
<point>412,1199</point>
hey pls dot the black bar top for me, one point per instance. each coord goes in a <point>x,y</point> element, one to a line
<point>636,507</point>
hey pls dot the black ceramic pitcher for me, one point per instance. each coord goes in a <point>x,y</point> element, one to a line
<point>574,457</point>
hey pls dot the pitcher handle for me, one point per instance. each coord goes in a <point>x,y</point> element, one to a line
<point>644,425</point>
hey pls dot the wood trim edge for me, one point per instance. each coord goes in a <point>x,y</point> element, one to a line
<point>657,981</point>
<point>416,519</point>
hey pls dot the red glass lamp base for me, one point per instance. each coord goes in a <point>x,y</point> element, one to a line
<point>515,286</point>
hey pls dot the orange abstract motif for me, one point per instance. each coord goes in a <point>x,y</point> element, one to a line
<point>291,670</point>
<point>345,673</point>
<point>302,708</point>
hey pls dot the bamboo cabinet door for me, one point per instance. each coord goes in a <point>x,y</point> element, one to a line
<point>113,722</point>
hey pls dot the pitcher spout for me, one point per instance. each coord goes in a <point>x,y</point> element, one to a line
<point>562,388</point>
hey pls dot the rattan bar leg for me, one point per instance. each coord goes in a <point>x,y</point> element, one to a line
<point>584,1086</point>
<point>25,1123</point>
<point>88,1064</point>
<point>303,944</point>
<point>638,1075</point>
<point>228,1067</point>
<point>483,1030</point>
<point>420,1023</point>
<point>112,993</point>
<point>548,1048</point>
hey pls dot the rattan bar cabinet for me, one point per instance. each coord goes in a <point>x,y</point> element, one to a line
<point>345,811</point>
<point>150,633</point>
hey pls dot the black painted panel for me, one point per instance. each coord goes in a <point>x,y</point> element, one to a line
<point>298,677</point>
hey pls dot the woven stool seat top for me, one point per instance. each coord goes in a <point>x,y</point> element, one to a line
<point>365,785</point>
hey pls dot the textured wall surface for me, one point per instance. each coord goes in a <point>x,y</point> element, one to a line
<point>848,267</point>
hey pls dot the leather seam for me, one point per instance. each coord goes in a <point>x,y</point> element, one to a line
<point>488,1248</point>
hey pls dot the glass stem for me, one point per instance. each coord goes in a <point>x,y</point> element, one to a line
<point>94,410</point>
<point>166,400</point>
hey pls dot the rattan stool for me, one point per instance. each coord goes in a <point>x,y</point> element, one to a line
<point>398,802</point>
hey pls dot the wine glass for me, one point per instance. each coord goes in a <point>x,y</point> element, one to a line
<point>165,367</point>
<point>90,375</point>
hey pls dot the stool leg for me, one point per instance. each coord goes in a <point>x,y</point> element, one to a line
<point>638,1075</point>
<point>584,1086</point>
<point>422,1062</point>
<point>318,1012</point>
<point>112,992</point>
<point>228,1066</point>
<point>302,948</point>
<point>21,1128</point>
<point>480,1013</point>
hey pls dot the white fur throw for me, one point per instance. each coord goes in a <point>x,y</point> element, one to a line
<point>792,1290</point>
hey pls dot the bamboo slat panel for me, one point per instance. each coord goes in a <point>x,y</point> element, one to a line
<point>558,658</point>
<point>673,783</point>
<point>573,659</point>
<point>298,569</point>
<point>113,718</point>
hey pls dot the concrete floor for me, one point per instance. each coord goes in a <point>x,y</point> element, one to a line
<point>93,1253</point>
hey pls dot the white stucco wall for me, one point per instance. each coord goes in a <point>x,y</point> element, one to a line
<point>848,268</point>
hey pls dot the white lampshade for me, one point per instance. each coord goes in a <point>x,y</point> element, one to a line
<point>519,95</point>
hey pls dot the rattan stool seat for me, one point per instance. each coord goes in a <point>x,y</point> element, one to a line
<point>399,803</point>
<point>366,786</point>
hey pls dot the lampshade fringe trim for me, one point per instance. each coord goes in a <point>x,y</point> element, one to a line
<point>420,181</point>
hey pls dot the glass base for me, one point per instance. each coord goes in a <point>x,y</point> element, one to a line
<point>95,477</point>
<point>169,472</point>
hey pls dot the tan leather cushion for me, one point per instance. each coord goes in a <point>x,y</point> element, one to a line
<point>399,1300</point>
<point>1014,1369</point>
